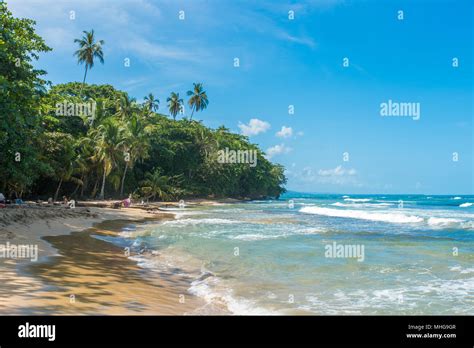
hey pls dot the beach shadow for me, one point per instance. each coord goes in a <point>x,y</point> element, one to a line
<point>101,278</point>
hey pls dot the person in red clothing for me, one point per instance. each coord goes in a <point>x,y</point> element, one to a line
<point>2,200</point>
<point>127,201</point>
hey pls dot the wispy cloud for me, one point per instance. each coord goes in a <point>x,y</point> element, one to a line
<point>333,176</point>
<point>152,50</point>
<point>302,40</point>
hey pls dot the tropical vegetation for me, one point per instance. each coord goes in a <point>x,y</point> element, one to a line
<point>107,144</point>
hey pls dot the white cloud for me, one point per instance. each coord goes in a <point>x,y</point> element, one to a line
<point>254,127</point>
<point>338,171</point>
<point>277,150</point>
<point>285,132</point>
<point>303,40</point>
<point>337,176</point>
<point>332,176</point>
<point>154,51</point>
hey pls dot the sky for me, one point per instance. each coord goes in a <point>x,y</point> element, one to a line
<point>311,78</point>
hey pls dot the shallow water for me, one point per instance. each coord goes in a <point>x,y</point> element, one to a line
<point>270,257</point>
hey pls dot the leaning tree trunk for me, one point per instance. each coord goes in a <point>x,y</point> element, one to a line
<point>94,190</point>
<point>102,190</point>
<point>123,178</point>
<point>57,190</point>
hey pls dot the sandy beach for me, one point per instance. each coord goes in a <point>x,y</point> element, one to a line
<point>78,274</point>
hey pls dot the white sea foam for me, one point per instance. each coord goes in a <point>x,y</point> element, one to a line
<point>151,263</point>
<point>465,205</point>
<point>443,222</point>
<point>263,236</point>
<point>256,236</point>
<point>339,204</point>
<point>410,299</point>
<point>363,215</point>
<point>435,219</point>
<point>357,199</point>
<point>214,292</point>
<point>456,198</point>
<point>360,205</point>
<point>468,225</point>
<point>180,214</point>
<point>208,221</point>
<point>461,270</point>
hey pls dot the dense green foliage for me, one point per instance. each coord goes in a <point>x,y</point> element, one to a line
<point>93,141</point>
<point>20,92</point>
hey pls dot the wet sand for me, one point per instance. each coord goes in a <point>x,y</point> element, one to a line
<point>78,274</point>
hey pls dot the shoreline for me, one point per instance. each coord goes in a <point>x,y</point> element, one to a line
<point>79,274</point>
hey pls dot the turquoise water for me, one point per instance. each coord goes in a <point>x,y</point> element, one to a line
<point>271,257</point>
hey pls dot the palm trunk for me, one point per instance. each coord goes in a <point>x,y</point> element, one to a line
<point>84,183</point>
<point>192,113</point>
<point>85,74</point>
<point>75,190</point>
<point>123,178</point>
<point>94,190</point>
<point>57,190</point>
<point>83,82</point>
<point>102,190</point>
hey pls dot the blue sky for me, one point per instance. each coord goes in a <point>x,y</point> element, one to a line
<point>297,62</point>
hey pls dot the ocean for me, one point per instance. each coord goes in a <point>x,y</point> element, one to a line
<point>319,254</point>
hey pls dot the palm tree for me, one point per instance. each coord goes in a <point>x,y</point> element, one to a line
<point>151,103</point>
<point>126,107</point>
<point>65,162</point>
<point>175,104</point>
<point>163,186</point>
<point>88,50</point>
<point>206,142</point>
<point>107,141</point>
<point>198,100</point>
<point>156,184</point>
<point>136,143</point>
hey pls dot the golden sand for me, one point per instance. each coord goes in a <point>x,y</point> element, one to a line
<point>79,274</point>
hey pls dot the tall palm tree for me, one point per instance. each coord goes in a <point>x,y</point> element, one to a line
<point>151,103</point>
<point>175,104</point>
<point>198,100</point>
<point>107,140</point>
<point>88,50</point>
<point>136,143</point>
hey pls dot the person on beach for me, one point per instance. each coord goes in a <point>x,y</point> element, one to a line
<point>2,200</point>
<point>127,201</point>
